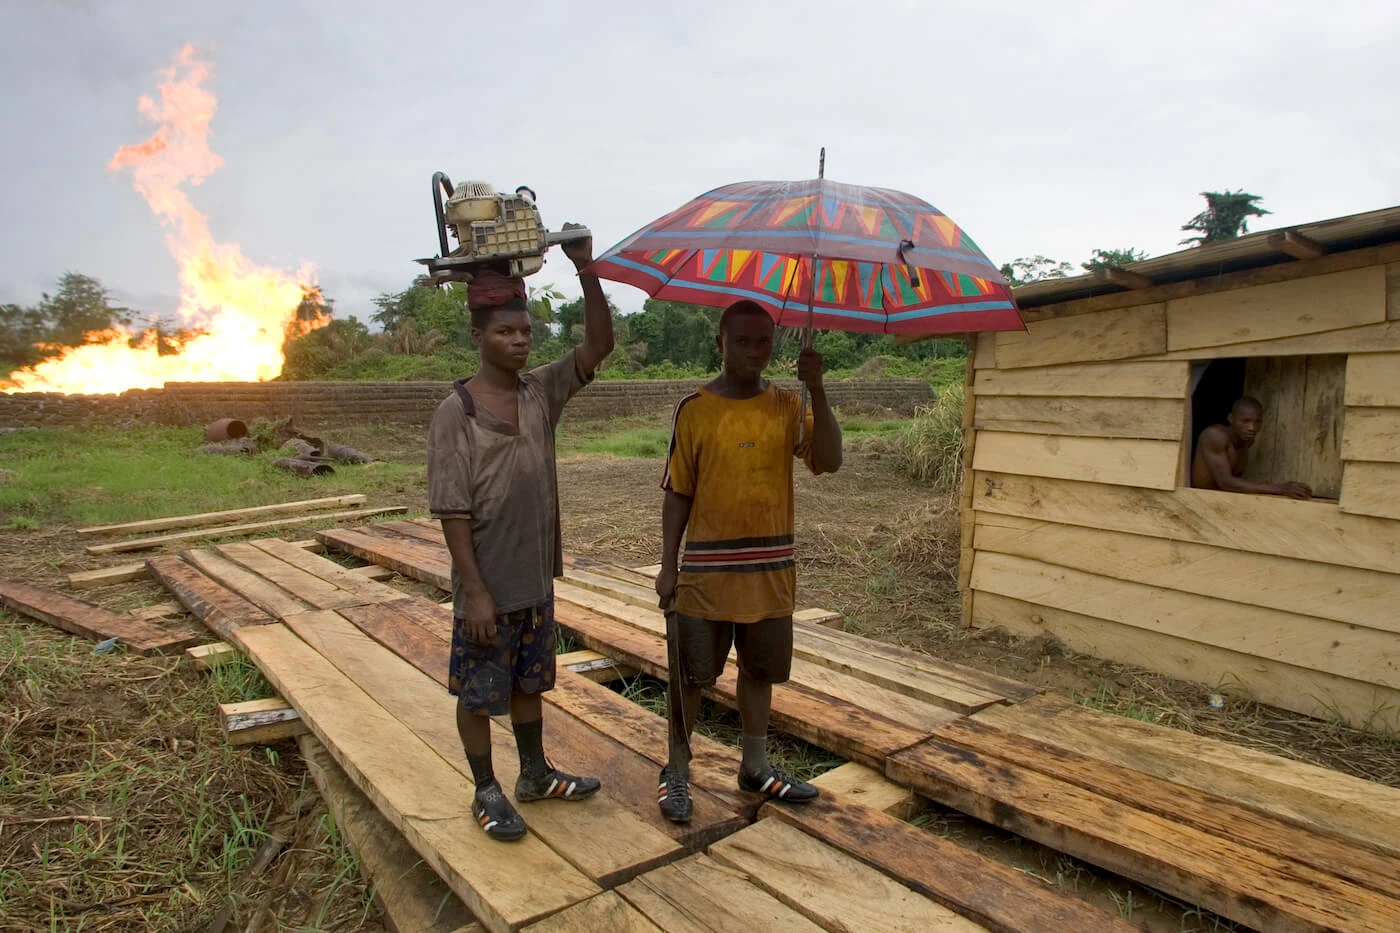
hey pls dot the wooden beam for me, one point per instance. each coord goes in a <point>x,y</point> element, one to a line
<point>215,518</point>
<point>1123,277</point>
<point>257,722</point>
<point>1296,245</point>
<point>215,654</point>
<point>141,544</point>
<point>870,788</point>
<point>136,570</point>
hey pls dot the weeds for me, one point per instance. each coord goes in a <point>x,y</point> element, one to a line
<point>930,449</point>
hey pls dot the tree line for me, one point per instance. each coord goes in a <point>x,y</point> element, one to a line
<point>423,332</point>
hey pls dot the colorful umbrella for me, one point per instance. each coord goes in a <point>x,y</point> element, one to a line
<point>883,261</point>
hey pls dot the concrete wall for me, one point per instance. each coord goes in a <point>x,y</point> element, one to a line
<point>406,402</point>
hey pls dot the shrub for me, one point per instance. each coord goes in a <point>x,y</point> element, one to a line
<point>930,449</point>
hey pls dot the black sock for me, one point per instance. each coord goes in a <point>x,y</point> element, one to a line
<point>529,741</point>
<point>482,774</point>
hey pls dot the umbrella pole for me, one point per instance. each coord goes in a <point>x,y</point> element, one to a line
<point>811,301</point>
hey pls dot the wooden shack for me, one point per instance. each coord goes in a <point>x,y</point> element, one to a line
<point>1078,516</point>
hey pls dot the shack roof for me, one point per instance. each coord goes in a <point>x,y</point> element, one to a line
<point>1250,251</point>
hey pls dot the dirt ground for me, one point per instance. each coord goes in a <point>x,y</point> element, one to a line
<point>872,544</point>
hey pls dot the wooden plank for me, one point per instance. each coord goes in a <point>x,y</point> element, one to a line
<point>428,530</point>
<point>1260,889</point>
<point>413,898</point>
<point>229,515</point>
<point>1085,338</point>
<point>1348,651</point>
<point>1310,692</point>
<point>1102,380</point>
<point>1314,531</point>
<point>699,895</point>
<point>1363,812</point>
<point>826,618</point>
<point>219,608</point>
<point>424,796</point>
<point>259,722</point>
<point>155,611</point>
<point>606,911</point>
<point>137,570</point>
<point>1342,594</point>
<point>1296,245</point>
<point>252,587</point>
<point>415,631</point>
<point>83,618</point>
<point>1372,434</point>
<point>870,788</point>
<point>1150,419</point>
<point>214,654</point>
<point>605,842</point>
<point>984,354</point>
<point>1140,463</point>
<point>1392,291</point>
<point>1006,688</point>
<point>836,725</point>
<point>307,587</point>
<point>829,887</point>
<point>1371,489</point>
<point>1326,852</point>
<point>224,531</point>
<point>107,576</point>
<point>360,584</point>
<point>631,593</point>
<point>983,889</point>
<point>596,667</point>
<point>1372,338</point>
<point>1300,438</point>
<point>1283,309</point>
<point>1373,380</point>
<point>415,561</point>
<point>912,711</point>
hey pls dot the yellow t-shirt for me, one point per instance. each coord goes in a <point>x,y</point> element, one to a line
<point>733,458</point>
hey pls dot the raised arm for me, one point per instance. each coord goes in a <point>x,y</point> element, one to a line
<point>481,608</point>
<point>597,316</point>
<point>675,515</point>
<point>826,433</point>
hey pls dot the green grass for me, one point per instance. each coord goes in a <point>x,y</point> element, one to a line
<point>103,475</point>
<point>628,442</point>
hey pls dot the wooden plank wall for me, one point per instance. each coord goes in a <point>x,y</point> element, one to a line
<point>1081,526</point>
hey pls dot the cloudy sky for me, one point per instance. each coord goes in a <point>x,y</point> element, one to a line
<point>1041,127</point>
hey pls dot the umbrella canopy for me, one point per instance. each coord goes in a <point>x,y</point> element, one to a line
<point>882,261</point>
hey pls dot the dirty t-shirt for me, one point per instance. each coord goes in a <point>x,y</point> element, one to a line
<point>734,459</point>
<point>503,481</point>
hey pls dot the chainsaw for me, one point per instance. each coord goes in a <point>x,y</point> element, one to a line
<point>494,231</point>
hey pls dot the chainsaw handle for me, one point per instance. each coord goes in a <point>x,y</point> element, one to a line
<point>567,236</point>
<point>441,183</point>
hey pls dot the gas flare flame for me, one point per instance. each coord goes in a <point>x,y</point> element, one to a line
<point>240,312</point>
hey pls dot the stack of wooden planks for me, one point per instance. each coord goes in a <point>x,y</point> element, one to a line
<point>363,664</point>
<point>1231,830</point>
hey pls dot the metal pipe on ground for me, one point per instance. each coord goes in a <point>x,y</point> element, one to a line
<point>226,429</point>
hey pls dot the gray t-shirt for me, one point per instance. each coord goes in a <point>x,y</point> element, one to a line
<point>503,481</point>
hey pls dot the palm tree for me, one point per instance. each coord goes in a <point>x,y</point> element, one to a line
<point>1226,216</point>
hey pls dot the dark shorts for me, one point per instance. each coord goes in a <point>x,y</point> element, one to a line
<point>520,660</point>
<point>699,648</point>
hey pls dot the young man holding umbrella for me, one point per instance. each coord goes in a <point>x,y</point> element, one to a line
<point>492,483</point>
<point>729,492</point>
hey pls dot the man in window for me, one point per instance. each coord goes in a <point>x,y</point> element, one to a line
<point>1223,453</point>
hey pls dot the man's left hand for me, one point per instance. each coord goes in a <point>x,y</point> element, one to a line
<point>580,252</point>
<point>809,369</point>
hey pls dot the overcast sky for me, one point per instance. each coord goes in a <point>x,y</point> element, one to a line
<point>1040,127</point>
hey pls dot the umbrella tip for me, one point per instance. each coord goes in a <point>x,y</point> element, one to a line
<point>821,163</point>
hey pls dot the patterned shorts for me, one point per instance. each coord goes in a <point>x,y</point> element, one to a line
<point>520,660</point>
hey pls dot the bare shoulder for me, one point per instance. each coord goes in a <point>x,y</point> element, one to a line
<point>1217,437</point>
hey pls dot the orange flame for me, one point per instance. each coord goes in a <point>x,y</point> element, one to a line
<point>241,312</point>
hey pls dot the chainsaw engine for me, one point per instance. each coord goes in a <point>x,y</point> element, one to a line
<point>500,232</point>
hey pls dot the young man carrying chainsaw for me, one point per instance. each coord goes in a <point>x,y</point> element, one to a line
<point>729,491</point>
<point>492,483</point>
